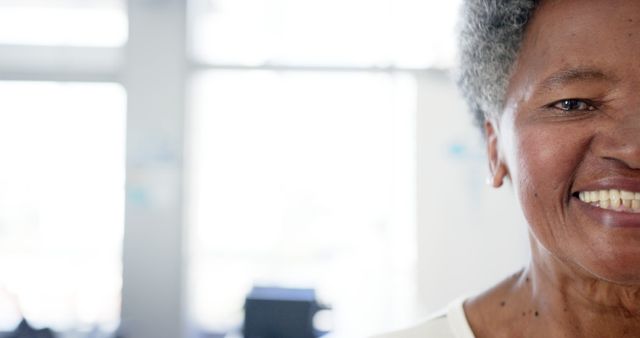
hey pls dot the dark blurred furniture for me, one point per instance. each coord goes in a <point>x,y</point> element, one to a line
<point>24,330</point>
<point>281,313</point>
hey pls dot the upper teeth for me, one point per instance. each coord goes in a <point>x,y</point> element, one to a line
<point>612,198</point>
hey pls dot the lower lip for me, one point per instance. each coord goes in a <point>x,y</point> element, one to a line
<point>610,218</point>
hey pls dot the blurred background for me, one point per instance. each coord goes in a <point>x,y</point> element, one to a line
<point>160,158</point>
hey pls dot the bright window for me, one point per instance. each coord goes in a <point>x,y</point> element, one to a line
<point>400,33</point>
<point>303,176</point>
<point>100,23</point>
<point>303,179</point>
<point>61,204</point>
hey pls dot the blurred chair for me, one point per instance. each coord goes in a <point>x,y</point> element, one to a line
<point>281,313</point>
<point>24,330</point>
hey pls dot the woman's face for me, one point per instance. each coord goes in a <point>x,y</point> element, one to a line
<point>571,126</point>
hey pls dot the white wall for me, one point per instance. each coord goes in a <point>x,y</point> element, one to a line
<point>469,235</point>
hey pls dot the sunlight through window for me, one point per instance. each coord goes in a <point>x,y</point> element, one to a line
<point>61,204</point>
<point>94,23</point>
<point>303,179</point>
<point>365,33</point>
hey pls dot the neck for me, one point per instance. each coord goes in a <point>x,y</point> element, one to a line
<point>552,298</point>
<point>579,303</point>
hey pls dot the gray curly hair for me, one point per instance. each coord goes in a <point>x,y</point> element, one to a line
<point>491,33</point>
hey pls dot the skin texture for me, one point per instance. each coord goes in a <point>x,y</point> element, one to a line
<point>584,276</point>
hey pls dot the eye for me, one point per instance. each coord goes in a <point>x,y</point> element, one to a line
<point>573,105</point>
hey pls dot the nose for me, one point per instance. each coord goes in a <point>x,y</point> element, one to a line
<point>620,141</point>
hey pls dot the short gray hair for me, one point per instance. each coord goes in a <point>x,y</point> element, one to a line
<point>491,33</point>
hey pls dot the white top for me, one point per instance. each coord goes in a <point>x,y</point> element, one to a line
<point>450,324</point>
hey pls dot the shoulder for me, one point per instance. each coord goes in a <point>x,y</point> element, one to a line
<point>437,327</point>
<point>451,323</point>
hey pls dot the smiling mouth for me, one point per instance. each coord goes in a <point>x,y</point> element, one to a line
<point>612,199</point>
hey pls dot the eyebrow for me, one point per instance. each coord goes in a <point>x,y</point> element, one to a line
<point>571,75</point>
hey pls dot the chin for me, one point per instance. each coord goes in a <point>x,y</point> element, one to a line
<point>619,267</point>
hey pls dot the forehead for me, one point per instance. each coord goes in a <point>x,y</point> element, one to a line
<point>602,36</point>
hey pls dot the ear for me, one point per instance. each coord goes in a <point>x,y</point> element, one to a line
<point>497,165</point>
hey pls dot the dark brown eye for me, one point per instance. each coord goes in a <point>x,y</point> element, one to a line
<point>573,104</point>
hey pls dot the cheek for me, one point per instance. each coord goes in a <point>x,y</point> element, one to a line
<point>543,166</point>
<point>543,163</point>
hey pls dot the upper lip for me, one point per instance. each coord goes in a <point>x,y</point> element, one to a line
<point>622,183</point>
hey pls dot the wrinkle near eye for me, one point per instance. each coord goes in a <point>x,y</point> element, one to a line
<point>569,76</point>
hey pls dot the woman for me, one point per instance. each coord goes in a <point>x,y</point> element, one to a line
<point>556,87</point>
